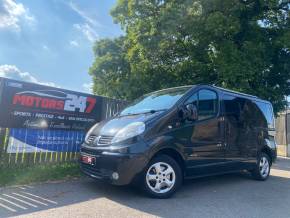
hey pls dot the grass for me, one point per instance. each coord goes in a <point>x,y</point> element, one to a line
<point>40,173</point>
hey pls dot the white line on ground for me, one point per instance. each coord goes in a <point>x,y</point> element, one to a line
<point>7,208</point>
<point>282,157</point>
<point>31,199</point>
<point>36,196</point>
<point>10,202</point>
<point>24,202</point>
<point>27,186</point>
<point>23,188</point>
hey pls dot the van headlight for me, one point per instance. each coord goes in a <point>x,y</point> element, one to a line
<point>90,132</point>
<point>129,131</point>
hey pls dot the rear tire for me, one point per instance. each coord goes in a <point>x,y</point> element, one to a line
<point>161,177</point>
<point>262,168</point>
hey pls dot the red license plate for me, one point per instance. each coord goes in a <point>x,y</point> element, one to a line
<point>88,160</point>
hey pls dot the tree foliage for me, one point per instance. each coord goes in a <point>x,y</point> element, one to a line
<point>237,44</point>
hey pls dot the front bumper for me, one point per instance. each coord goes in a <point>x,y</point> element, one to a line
<point>106,163</point>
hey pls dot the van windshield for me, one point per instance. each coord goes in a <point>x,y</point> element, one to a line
<point>155,101</point>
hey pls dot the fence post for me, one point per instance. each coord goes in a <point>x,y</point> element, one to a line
<point>4,136</point>
<point>287,130</point>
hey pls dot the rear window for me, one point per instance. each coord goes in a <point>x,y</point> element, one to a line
<point>267,110</point>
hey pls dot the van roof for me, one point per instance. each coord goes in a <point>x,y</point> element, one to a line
<point>235,92</point>
<point>176,87</point>
<point>229,91</point>
<point>244,95</point>
<point>252,97</point>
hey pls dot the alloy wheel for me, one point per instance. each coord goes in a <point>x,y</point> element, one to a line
<point>264,167</point>
<point>160,177</point>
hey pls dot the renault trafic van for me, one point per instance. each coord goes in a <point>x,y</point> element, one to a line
<point>174,134</point>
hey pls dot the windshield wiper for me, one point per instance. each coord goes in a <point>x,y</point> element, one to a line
<point>144,112</point>
<point>154,111</point>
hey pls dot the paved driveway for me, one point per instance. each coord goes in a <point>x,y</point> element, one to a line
<point>234,195</point>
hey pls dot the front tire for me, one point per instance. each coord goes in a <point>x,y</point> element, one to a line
<point>263,167</point>
<point>162,177</point>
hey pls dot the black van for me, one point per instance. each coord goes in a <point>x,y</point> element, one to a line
<point>179,133</point>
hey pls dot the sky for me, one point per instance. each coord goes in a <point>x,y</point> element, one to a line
<point>50,41</point>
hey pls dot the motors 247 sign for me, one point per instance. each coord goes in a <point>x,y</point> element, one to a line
<point>27,105</point>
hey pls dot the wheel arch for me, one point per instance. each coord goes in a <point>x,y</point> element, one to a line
<point>173,153</point>
<point>267,151</point>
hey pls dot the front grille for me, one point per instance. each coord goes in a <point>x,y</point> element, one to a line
<point>91,170</point>
<point>95,172</point>
<point>102,140</point>
<point>105,140</point>
<point>91,139</point>
<point>88,151</point>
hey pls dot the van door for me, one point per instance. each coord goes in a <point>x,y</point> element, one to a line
<point>234,129</point>
<point>239,132</point>
<point>204,138</point>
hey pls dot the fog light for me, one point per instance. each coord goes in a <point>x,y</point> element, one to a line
<point>115,176</point>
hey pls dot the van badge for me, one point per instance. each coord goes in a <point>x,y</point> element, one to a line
<point>97,139</point>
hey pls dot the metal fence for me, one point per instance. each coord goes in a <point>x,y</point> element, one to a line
<point>283,133</point>
<point>21,157</point>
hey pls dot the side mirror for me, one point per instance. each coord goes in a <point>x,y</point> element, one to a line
<point>189,112</point>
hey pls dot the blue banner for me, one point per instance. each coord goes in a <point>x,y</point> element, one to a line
<point>34,140</point>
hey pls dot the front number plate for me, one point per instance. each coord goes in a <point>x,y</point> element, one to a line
<point>88,160</point>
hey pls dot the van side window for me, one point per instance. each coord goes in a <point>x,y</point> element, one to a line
<point>251,116</point>
<point>267,110</point>
<point>193,100</point>
<point>207,104</point>
<point>232,107</point>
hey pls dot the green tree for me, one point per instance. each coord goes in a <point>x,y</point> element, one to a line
<point>238,44</point>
